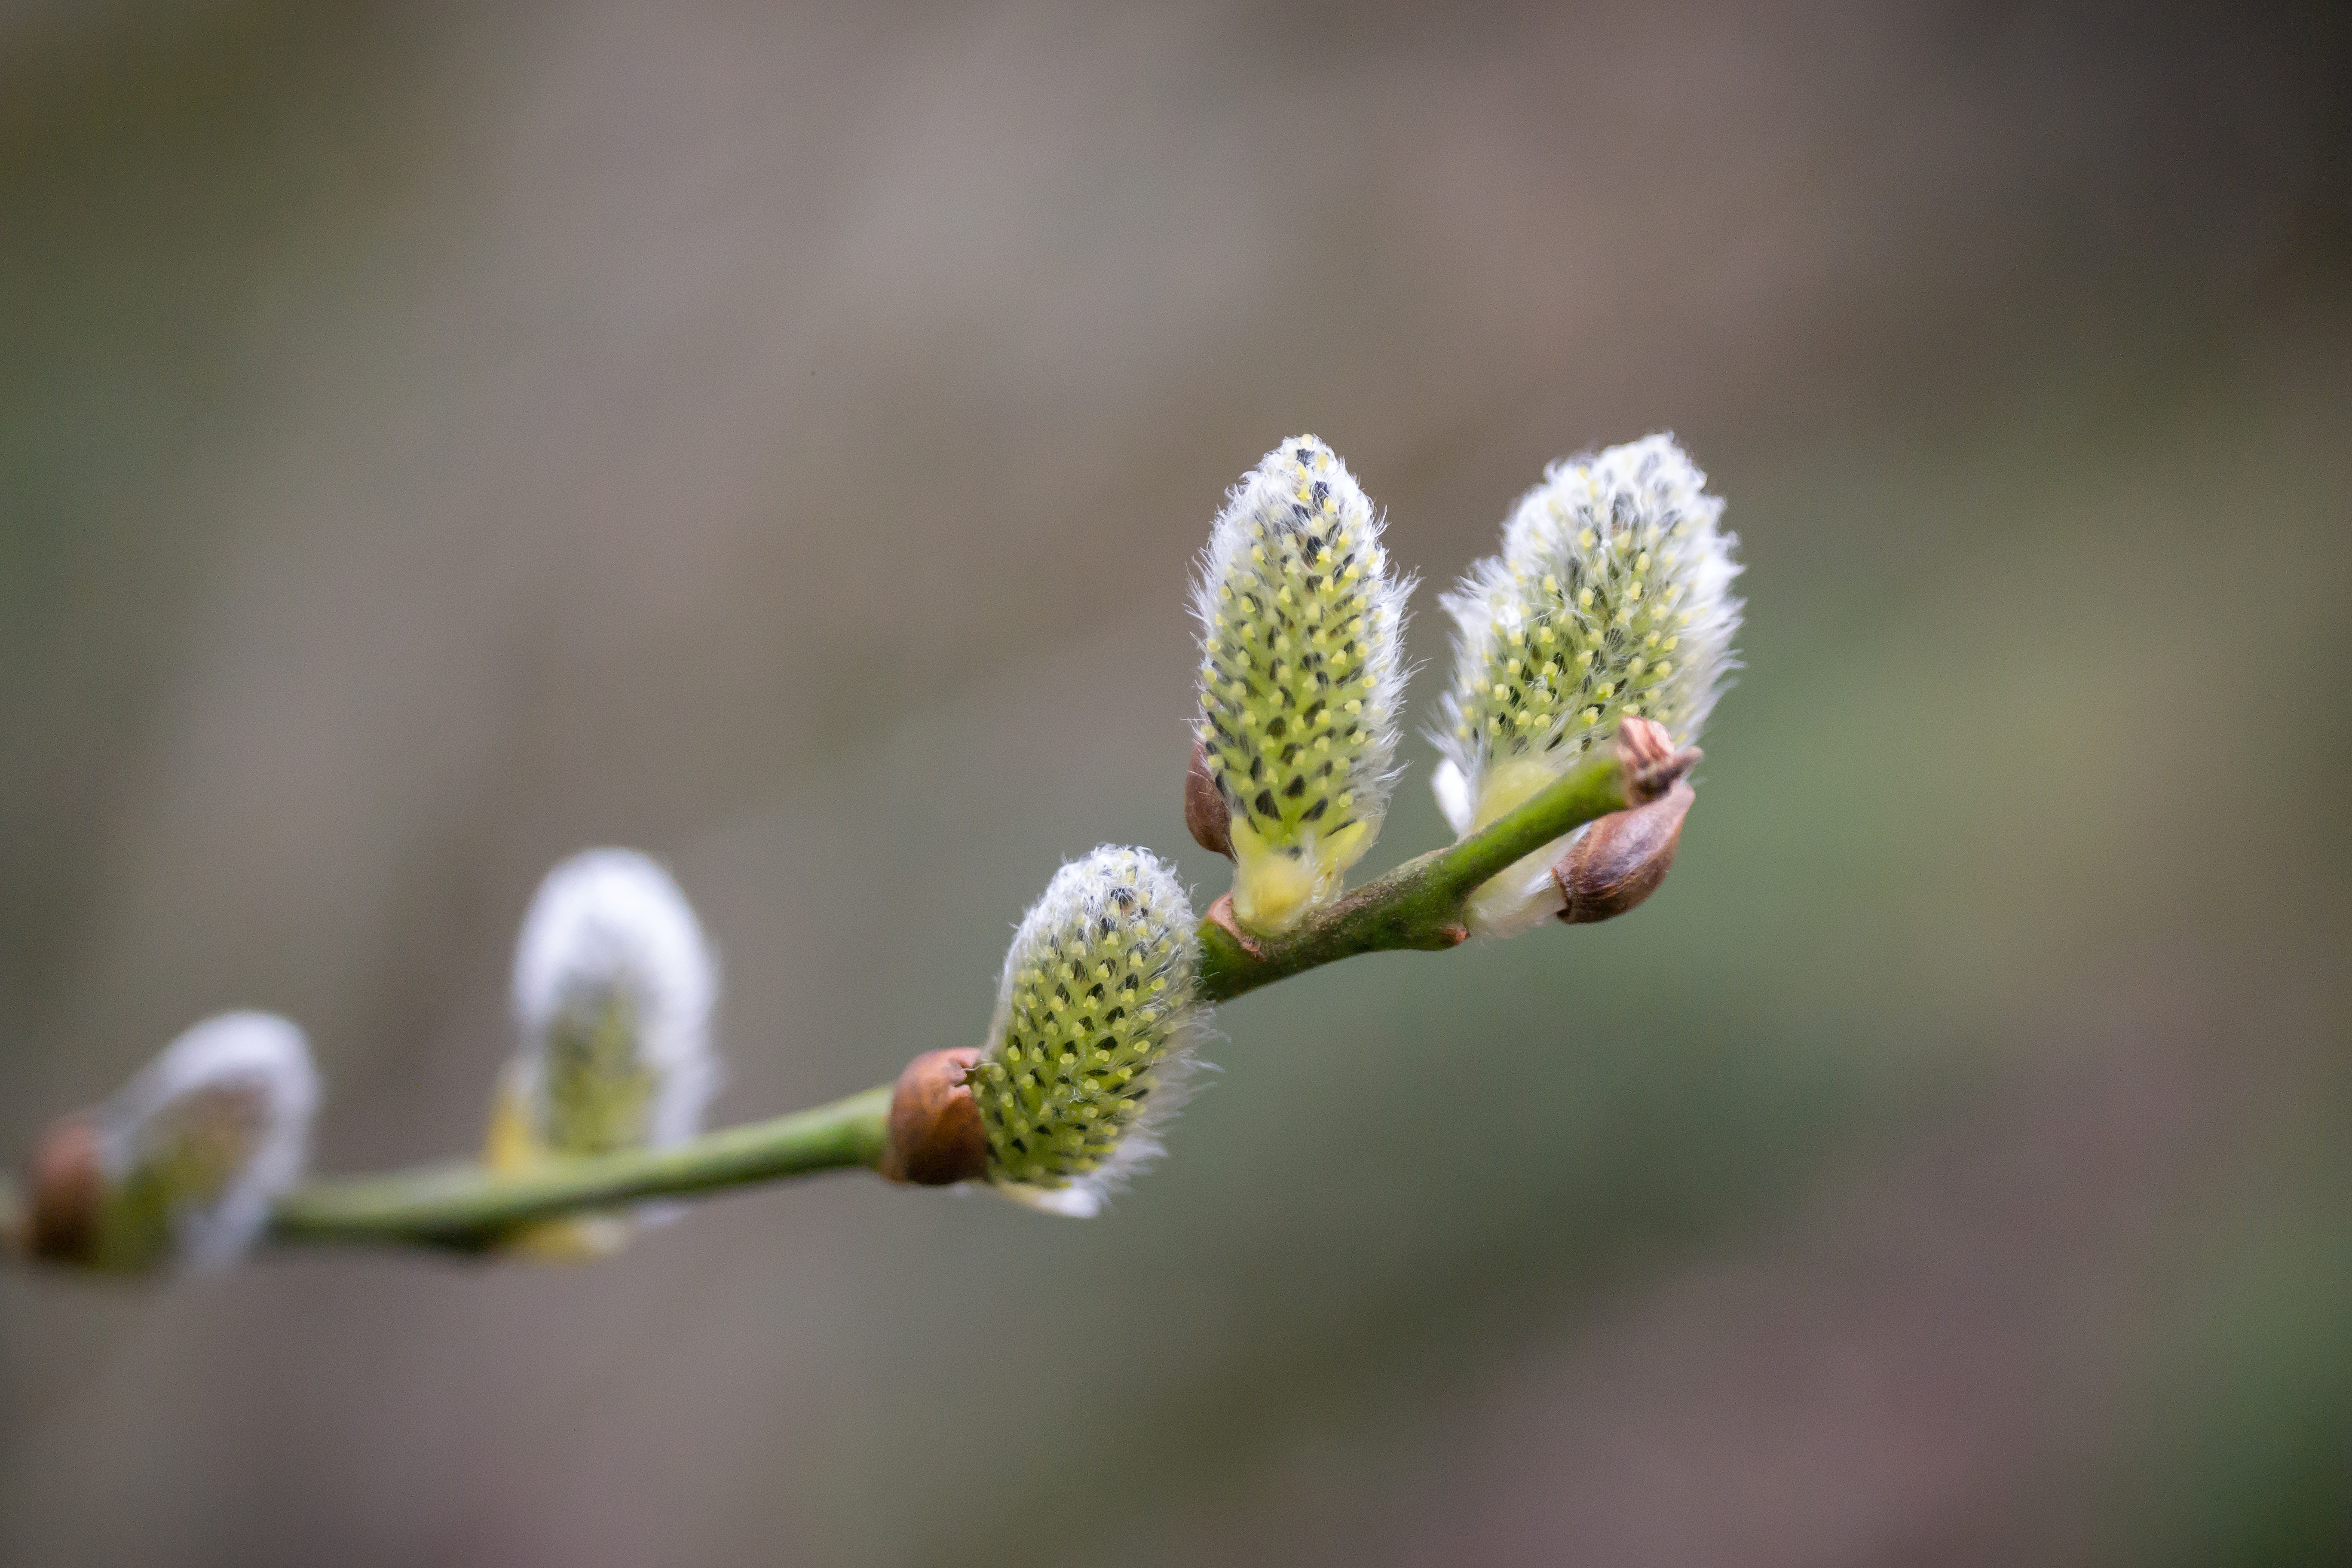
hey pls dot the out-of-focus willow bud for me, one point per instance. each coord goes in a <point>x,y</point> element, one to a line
<point>1301,675</point>
<point>1091,1047</point>
<point>613,986</point>
<point>1611,599</point>
<point>180,1168</point>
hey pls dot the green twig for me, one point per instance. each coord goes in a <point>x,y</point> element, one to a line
<point>1420,905</point>
<point>467,1208</point>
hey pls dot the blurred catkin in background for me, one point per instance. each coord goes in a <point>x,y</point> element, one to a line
<point>432,439</point>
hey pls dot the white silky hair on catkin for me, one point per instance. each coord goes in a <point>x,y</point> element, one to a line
<point>1263,495</point>
<point>1639,483</point>
<point>1580,528</point>
<point>610,921</point>
<point>1079,896</point>
<point>1301,675</point>
<point>244,1050</point>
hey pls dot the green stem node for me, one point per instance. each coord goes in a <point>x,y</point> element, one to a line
<point>1420,905</point>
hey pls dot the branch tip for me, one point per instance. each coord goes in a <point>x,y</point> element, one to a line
<point>1652,763</point>
<point>1619,860</point>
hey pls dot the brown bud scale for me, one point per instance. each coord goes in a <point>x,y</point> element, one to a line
<point>936,1136</point>
<point>1651,765</point>
<point>66,1185</point>
<point>1205,812</point>
<point>1621,858</point>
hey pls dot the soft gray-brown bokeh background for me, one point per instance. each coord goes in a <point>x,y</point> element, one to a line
<point>433,439</point>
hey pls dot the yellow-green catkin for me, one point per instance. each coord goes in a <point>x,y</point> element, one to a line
<point>195,1148</point>
<point>1090,1048</point>
<point>613,986</point>
<point>1612,596</point>
<point>1301,679</point>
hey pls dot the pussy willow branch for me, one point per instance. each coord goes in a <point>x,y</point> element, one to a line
<point>466,1208</point>
<point>1418,905</point>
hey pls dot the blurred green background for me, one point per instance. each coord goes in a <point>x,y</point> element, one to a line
<point>437,438</point>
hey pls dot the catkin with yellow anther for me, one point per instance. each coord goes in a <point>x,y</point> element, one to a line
<point>1612,598</point>
<point>1301,677</point>
<point>1091,1045</point>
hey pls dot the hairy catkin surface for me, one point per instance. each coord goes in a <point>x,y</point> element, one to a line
<point>1091,1042</point>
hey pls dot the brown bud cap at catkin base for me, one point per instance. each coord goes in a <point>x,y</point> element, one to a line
<point>1651,765</point>
<point>1618,861</point>
<point>936,1137</point>
<point>65,1183</point>
<point>1206,813</point>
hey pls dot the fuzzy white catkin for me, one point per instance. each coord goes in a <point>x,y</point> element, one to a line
<point>240,1084</point>
<point>1612,596</point>
<point>1090,1050</point>
<point>610,930</point>
<point>1302,679</point>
